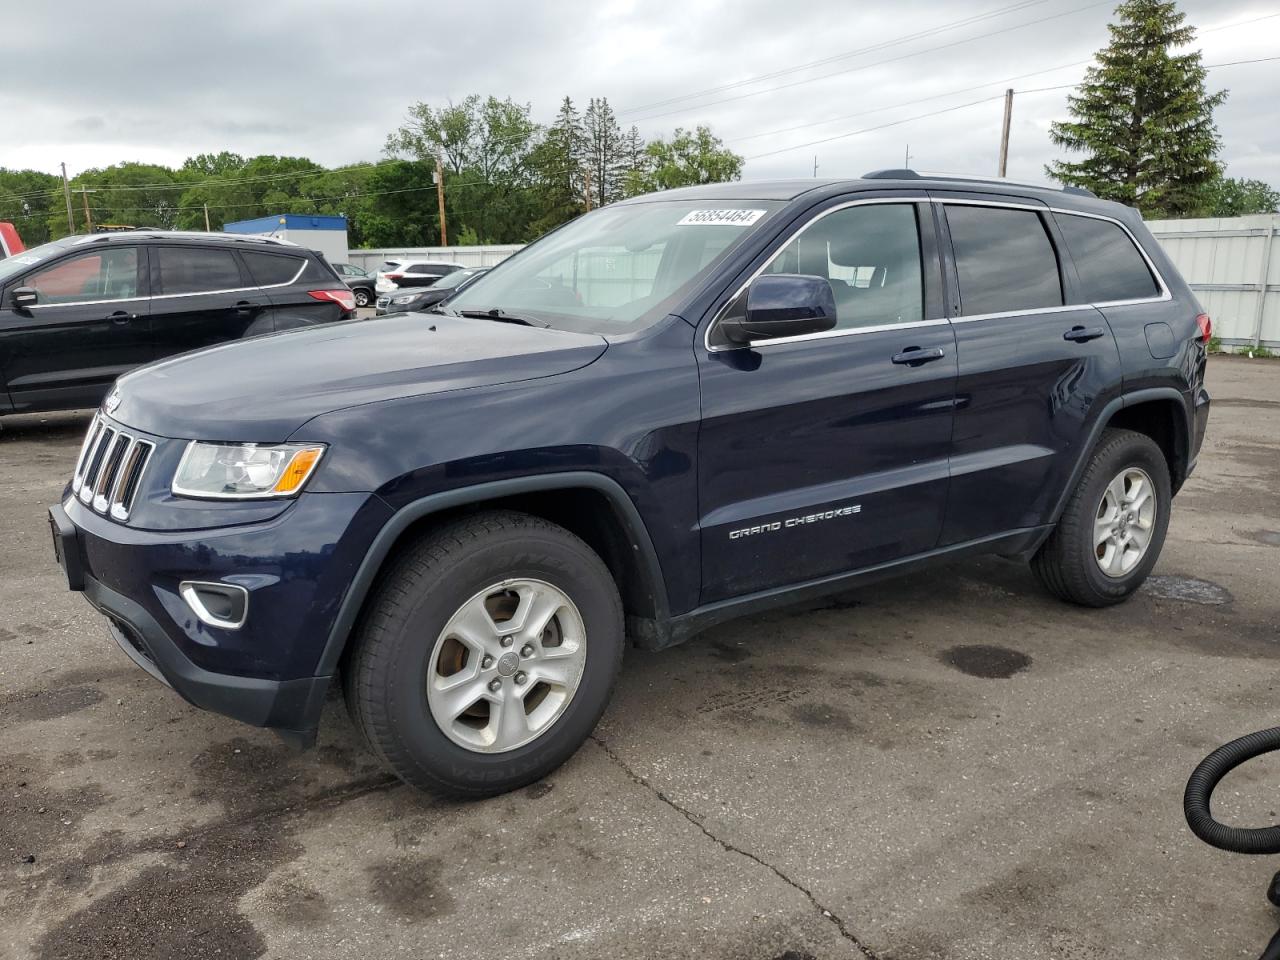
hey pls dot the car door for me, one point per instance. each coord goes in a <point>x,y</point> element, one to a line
<point>1033,367</point>
<point>202,296</point>
<point>89,325</point>
<point>827,453</point>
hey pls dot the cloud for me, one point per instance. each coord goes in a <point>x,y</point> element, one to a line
<point>160,82</point>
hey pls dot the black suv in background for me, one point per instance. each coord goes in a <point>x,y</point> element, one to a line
<point>78,312</point>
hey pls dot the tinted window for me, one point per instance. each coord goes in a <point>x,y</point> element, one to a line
<point>1109,265</point>
<point>196,270</point>
<point>269,269</point>
<point>103,275</point>
<point>389,266</point>
<point>871,257</point>
<point>1005,260</point>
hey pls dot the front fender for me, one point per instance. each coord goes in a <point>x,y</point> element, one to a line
<point>409,514</point>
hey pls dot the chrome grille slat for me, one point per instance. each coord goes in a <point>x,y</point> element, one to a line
<point>77,479</point>
<point>95,464</point>
<point>130,476</point>
<point>110,468</point>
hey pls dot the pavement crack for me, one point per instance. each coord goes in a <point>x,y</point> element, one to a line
<point>729,847</point>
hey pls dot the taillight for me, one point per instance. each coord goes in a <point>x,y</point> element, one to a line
<point>1206,327</point>
<point>344,297</point>
<point>392,276</point>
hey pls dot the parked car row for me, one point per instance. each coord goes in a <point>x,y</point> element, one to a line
<point>79,312</point>
<point>420,298</point>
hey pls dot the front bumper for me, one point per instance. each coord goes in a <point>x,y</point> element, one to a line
<point>296,568</point>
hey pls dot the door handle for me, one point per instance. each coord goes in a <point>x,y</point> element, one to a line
<point>914,356</point>
<point>1083,334</point>
<point>244,306</point>
<point>121,317</point>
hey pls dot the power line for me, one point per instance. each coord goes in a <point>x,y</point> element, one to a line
<point>966,21</point>
<point>879,63</point>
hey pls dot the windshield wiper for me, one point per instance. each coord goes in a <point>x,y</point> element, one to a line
<point>497,313</point>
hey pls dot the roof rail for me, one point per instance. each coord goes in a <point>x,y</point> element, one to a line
<point>904,173</point>
<point>155,233</point>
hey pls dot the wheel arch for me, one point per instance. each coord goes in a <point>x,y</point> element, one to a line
<point>1160,413</point>
<point>611,525</point>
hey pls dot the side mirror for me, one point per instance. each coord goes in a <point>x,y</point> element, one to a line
<point>782,305</point>
<point>25,297</point>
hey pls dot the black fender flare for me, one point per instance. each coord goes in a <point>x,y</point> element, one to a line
<point>1101,422</point>
<point>400,521</point>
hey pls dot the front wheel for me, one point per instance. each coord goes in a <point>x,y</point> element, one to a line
<point>487,654</point>
<point>1113,526</point>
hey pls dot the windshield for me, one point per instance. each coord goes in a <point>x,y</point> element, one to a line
<point>618,268</point>
<point>21,262</point>
<point>450,280</point>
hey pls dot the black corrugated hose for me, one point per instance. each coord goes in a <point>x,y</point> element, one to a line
<point>1195,805</point>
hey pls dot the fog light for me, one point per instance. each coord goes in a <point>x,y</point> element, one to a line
<point>222,605</point>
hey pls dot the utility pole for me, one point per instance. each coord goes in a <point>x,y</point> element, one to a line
<point>88,218</point>
<point>906,157</point>
<point>444,231</point>
<point>207,228</point>
<point>66,190</point>
<point>586,175</point>
<point>815,165</point>
<point>1004,134</point>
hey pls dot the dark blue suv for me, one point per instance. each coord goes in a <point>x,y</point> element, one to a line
<point>669,412</point>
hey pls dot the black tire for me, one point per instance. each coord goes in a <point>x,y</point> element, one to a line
<point>363,297</point>
<point>1065,563</point>
<point>384,679</point>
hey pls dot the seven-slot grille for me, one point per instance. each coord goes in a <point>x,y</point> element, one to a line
<point>109,471</point>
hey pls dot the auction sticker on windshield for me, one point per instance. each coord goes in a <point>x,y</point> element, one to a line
<point>718,218</point>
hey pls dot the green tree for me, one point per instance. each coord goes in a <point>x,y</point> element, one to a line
<point>557,165</point>
<point>688,158</point>
<point>1233,197</point>
<point>485,146</point>
<point>605,148</point>
<point>1142,116</point>
<point>30,199</point>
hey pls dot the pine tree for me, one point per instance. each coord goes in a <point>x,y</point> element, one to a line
<point>604,152</point>
<point>1143,116</point>
<point>558,165</point>
<point>634,161</point>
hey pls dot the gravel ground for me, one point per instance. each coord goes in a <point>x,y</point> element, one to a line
<point>950,765</point>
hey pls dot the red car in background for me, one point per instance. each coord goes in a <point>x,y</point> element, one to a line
<point>10,242</point>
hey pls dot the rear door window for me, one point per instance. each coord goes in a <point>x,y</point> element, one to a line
<point>1004,258</point>
<point>1109,265</point>
<point>197,270</point>
<point>110,274</point>
<point>272,269</point>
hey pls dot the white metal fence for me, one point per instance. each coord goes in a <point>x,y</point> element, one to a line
<point>1233,265</point>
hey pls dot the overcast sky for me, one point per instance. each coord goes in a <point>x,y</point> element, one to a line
<point>99,83</point>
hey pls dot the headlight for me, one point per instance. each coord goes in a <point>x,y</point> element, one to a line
<point>408,298</point>
<point>244,471</point>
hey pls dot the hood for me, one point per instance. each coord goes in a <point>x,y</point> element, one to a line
<point>261,390</point>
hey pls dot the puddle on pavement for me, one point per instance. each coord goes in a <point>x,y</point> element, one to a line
<point>1270,537</point>
<point>1188,590</point>
<point>988,662</point>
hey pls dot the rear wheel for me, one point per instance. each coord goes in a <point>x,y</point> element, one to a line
<point>487,654</point>
<point>363,298</point>
<point>1113,526</point>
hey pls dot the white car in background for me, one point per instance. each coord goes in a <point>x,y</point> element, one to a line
<point>394,275</point>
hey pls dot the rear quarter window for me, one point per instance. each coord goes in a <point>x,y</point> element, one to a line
<point>272,269</point>
<point>1110,267</point>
